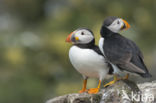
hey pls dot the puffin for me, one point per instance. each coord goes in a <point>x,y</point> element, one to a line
<point>87,58</point>
<point>122,53</point>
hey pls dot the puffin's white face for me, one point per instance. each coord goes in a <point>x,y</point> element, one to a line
<point>116,25</point>
<point>84,36</point>
<point>80,36</point>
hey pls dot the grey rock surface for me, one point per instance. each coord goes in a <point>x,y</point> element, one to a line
<point>148,89</point>
<point>122,91</point>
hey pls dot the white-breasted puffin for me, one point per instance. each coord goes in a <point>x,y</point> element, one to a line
<point>87,58</point>
<point>122,53</point>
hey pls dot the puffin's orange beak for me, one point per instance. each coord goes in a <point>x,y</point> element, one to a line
<point>68,39</point>
<point>126,24</point>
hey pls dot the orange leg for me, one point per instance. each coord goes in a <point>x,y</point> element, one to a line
<point>126,77</point>
<point>84,86</point>
<point>112,82</point>
<point>116,79</point>
<point>95,90</point>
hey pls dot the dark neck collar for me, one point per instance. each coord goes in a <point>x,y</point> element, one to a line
<point>105,32</point>
<point>89,45</point>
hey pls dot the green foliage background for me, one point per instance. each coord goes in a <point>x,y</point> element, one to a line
<point>34,64</point>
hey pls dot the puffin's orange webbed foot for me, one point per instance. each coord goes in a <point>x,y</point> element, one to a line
<point>82,91</point>
<point>93,90</point>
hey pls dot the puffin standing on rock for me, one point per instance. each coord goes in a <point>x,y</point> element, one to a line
<point>87,58</point>
<point>121,53</point>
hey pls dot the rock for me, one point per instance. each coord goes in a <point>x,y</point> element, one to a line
<point>77,98</point>
<point>120,92</point>
<point>148,89</point>
<point>123,91</point>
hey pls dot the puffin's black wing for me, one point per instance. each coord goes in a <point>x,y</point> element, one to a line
<point>125,54</point>
<point>96,49</point>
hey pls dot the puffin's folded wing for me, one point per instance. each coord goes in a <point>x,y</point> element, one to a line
<point>125,54</point>
<point>128,66</point>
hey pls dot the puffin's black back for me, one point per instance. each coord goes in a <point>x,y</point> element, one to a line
<point>118,50</point>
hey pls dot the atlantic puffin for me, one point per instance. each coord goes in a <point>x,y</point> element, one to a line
<point>87,58</point>
<point>123,54</point>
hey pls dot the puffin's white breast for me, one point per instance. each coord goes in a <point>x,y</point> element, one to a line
<point>88,62</point>
<point>101,43</point>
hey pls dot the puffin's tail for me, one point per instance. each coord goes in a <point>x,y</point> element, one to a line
<point>146,75</point>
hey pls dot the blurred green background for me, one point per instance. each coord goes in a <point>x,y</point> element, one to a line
<point>34,64</point>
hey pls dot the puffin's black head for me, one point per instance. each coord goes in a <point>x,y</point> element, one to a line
<point>109,20</point>
<point>115,24</point>
<point>81,36</point>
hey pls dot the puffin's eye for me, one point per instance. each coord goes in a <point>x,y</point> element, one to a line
<point>118,22</point>
<point>82,33</point>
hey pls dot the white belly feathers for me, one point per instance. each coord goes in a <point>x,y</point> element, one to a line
<point>101,43</point>
<point>88,62</point>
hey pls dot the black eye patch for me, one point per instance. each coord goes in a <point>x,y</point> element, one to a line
<point>118,22</point>
<point>82,33</point>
